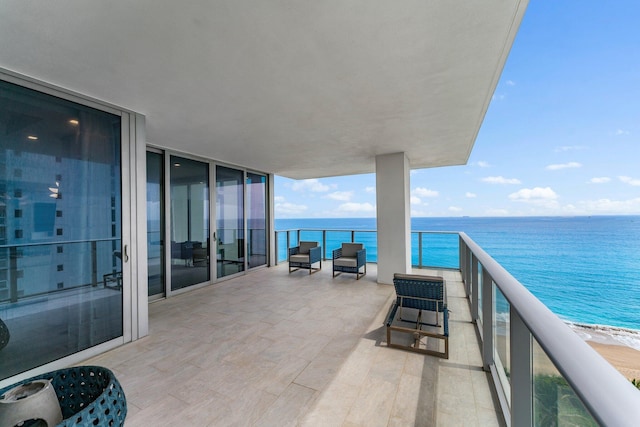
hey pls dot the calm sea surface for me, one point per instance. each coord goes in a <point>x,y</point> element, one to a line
<point>585,269</point>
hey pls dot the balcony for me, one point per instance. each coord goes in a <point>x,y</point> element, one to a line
<point>272,348</point>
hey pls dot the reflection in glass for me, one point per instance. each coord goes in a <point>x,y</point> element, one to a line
<point>501,339</point>
<point>480,276</point>
<point>155,223</point>
<point>257,219</point>
<point>60,228</point>
<point>229,220</point>
<point>189,222</point>
<point>554,401</point>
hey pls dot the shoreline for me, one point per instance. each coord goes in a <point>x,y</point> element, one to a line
<point>624,358</point>
<point>618,346</point>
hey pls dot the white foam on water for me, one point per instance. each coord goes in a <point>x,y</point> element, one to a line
<point>604,334</point>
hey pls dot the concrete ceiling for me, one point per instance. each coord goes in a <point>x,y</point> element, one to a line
<point>298,88</point>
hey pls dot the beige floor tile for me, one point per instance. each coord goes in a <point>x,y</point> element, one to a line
<point>278,349</point>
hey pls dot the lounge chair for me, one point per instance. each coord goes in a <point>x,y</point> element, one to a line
<point>421,293</point>
<point>304,256</point>
<point>349,259</point>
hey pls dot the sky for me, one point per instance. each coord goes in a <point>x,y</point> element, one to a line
<point>561,135</point>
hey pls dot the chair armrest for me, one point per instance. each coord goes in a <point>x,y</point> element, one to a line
<point>337,253</point>
<point>392,313</point>
<point>362,257</point>
<point>445,314</point>
<point>315,254</point>
<point>294,250</point>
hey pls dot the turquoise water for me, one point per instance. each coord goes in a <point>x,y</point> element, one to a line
<point>585,269</point>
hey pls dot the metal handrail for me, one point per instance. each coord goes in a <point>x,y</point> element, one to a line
<point>352,232</point>
<point>610,398</point>
<point>59,242</point>
<point>15,252</point>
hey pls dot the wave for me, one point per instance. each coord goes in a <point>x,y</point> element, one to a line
<point>605,334</point>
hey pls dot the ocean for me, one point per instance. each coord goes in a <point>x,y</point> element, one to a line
<point>586,269</point>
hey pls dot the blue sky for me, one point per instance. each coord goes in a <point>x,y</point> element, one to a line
<point>561,136</point>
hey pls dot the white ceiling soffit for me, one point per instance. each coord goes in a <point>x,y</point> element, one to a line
<point>298,88</point>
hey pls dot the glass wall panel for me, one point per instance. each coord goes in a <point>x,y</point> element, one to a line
<point>370,241</point>
<point>501,339</point>
<point>554,401</point>
<point>440,250</point>
<point>189,222</point>
<point>60,228</point>
<point>229,221</point>
<point>480,275</point>
<point>283,251</point>
<point>256,219</point>
<point>335,239</point>
<point>155,223</point>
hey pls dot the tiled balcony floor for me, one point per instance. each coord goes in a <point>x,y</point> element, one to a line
<point>273,349</point>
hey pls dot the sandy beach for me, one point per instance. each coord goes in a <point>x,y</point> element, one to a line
<point>625,359</point>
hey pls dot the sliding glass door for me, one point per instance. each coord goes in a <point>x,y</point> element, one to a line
<point>230,241</point>
<point>256,219</point>
<point>61,250</point>
<point>189,229</point>
<point>155,224</point>
<point>239,240</point>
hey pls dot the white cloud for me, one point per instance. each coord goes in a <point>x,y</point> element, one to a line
<point>565,148</point>
<point>622,132</point>
<point>370,189</point>
<point>343,196</point>
<point>545,197</point>
<point>278,199</point>
<point>501,180</point>
<point>289,209</point>
<point>415,200</point>
<point>309,185</point>
<point>424,192</point>
<point>510,83</point>
<point>569,165</point>
<point>454,209</point>
<point>600,180</point>
<point>357,207</point>
<point>483,164</point>
<point>611,206</point>
<point>470,195</point>
<point>629,180</point>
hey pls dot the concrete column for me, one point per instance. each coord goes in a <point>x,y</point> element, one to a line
<point>393,215</point>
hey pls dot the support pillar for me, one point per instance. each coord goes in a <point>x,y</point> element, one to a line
<point>393,215</point>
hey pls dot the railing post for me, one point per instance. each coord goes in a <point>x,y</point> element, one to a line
<point>13,271</point>
<point>94,264</point>
<point>298,241</point>
<point>461,254</point>
<point>275,246</point>
<point>521,375</point>
<point>487,320</point>
<point>419,249</point>
<point>469,267</point>
<point>473,291</point>
<point>353,236</point>
<point>324,244</point>
<point>288,242</point>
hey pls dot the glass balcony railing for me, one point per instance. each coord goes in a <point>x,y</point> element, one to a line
<point>429,249</point>
<point>544,374</point>
<point>34,269</point>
